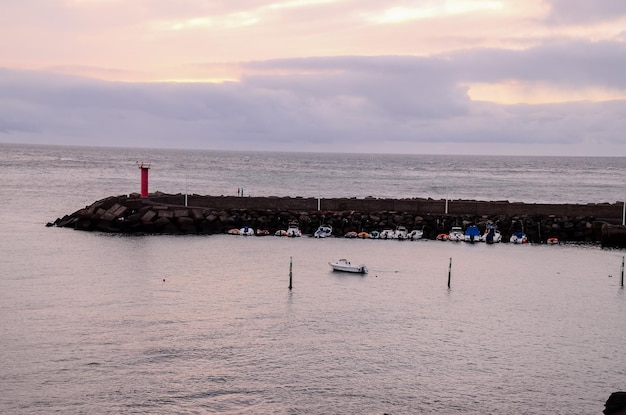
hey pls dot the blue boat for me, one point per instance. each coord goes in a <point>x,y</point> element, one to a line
<point>472,234</point>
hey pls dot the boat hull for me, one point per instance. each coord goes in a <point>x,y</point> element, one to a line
<point>345,266</point>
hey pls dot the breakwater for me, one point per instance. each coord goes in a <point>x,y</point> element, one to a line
<point>197,214</point>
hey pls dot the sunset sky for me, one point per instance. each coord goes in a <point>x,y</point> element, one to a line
<point>528,77</point>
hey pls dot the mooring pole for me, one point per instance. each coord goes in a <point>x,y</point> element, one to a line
<point>449,272</point>
<point>622,279</point>
<point>290,272</point>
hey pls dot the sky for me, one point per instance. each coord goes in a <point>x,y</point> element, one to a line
<point>492,77</point>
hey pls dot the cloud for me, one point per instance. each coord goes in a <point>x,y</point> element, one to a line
<point>348,103</point>
<point>574,63</point>
<point>585,11</point>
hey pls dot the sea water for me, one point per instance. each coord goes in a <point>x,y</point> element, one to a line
<point>96,323</point>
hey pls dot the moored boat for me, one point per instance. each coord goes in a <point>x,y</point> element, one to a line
<point>344,265</point>
<point>456,234</point>
<point>401,233</point>
<point>294,231</point>
<point>415,235</point>
<point>492,235</point>
<point>387,234</point>
<point>324,231</point>
<point>552,241</point>
<point>472,234</point>
<point>518,238</point>
<point>246,231</point>
<point>443,237</point>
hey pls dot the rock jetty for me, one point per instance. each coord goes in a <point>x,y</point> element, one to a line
<point>167,214</point>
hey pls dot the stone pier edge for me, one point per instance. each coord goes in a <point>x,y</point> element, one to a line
<point>167,214</point>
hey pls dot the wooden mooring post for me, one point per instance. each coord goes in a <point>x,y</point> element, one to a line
<point>290,272</point>
<point>449,272</point>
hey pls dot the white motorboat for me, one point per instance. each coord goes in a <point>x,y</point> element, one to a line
<point>492,235</point>
<point>518,238</point>
<point>344,265</point>
<point>324,231</point>
<point>401,233</point>
<point>294,230</point>
<point>246,231</point>
<point>387,234</point>
<point>415,234</point>
<point>456,234</point>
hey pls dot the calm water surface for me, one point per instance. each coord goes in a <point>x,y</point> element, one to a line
<point>95,323</point>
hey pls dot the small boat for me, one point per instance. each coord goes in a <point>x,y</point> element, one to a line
<point>351,235</point>
<point>374,235</point>
<point>363,235</point>
<point>246,231</point>
<point>387,234</point>
<point>262,232</point>
<point>456,234</point>
<point>294,231</point>
<point>552,241</point>
<point>472,234</point>
<point>324,231</point>
<point>492,235</point>
<point>401,233</point>
<point>443,237</point>
<point>518,238</point>
<point>415,234</point>
<point>280,232</point>
<point>233,232</point>
<point>344,265</point>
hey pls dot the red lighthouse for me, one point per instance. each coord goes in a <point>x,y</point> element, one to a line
<point>144,167</point>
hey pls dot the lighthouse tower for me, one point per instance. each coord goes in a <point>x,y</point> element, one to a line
<point>144,167</point>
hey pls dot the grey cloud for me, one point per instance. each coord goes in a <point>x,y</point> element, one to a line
<point>585,11</point>
<point>565,63</point>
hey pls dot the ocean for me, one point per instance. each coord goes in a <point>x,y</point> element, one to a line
<point>98,323</point>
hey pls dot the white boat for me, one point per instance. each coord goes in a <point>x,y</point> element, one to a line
<point>492,235</point>
<point>401,233</point>
<point>344,265</point>
<point>246,231</point>
<point>415,234</point>
<point>294,231</point>
<point>387,234</point>
<point>324,231</point>
<point>518,238</point>
<point>456,234</point>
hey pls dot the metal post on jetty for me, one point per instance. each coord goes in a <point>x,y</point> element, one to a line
<point>290,273</point>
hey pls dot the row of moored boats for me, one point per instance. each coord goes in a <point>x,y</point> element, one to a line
<point>326,231</point>
<point>456,234</point>
<point>472,234</point>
